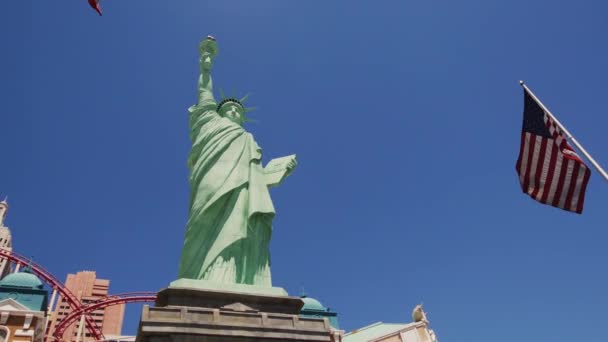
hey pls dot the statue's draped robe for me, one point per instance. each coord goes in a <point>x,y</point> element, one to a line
<point>230,219</point>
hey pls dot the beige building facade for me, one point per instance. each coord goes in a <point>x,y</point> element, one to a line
<point>6,241</point>
<point>387,332</point>
<point>88,288</point>
<point>23,303</point>
<point>19,323</point>
<point>416,331</point>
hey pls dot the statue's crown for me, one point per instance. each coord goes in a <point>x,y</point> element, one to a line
<point>241,102</point>
<point>229,100</point>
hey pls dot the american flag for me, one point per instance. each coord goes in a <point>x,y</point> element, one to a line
<point>549,170</point>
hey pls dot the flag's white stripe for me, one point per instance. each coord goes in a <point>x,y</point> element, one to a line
<point>549,125</point>
<point>524,159</point>
<point>545,170</point>
<point>535,155</point>
<point>555,180</point>
<point>569,151</point>
<point>579,184</point>
<point>567,181</point>
<point>553,128</point>
<point>559,140</point>
<point>557,129</point>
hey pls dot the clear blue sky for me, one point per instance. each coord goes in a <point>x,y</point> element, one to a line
<point>406,119</point>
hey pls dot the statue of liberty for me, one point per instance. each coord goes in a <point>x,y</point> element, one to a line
<point>230,218</point>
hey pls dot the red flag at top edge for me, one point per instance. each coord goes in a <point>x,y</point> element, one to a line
<point>95,5</point>
<point>549,169</point>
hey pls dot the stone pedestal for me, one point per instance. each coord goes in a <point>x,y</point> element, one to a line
<point>206,313</point>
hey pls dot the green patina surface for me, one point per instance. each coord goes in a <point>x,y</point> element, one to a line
<point>25,288</point>
<point>223,287</point>
<point>231,212</point>
<point>314,309</point>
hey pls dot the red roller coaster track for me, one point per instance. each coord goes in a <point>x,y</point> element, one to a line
<point>77,307</point>
<point>132,297</point>
<point>54,283</point>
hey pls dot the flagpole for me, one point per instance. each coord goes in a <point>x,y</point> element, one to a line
<point>568,135</point>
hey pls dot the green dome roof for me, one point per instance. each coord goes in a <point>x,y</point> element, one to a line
<point>312,304</point>
<point>23,279</point>
<point>314,309</point>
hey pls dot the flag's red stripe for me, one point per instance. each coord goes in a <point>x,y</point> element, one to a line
<point>560,183</point>
<point>574,155</point>
<point>573,182</point>
<point>531,142</point>
<point>521,153</point>
<point>581,196</point>
<point>539,167</point>
<point>549,181</point>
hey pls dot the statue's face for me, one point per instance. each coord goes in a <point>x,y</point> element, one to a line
<point>233,112</point>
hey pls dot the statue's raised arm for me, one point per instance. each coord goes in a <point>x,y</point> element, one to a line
<point>208,51</point>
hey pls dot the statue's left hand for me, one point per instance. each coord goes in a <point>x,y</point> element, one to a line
<point>278,169</point>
